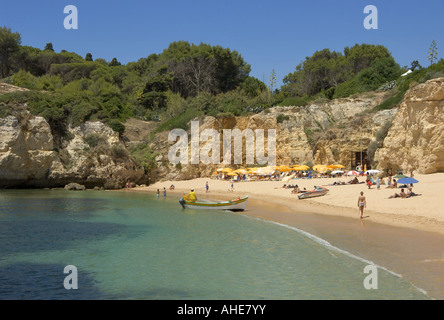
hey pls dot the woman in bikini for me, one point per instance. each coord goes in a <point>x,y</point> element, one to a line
<point>362,204</point>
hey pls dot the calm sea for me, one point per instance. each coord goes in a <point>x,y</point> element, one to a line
<point>136,246</point>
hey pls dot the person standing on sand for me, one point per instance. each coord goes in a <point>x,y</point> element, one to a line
<point>207,187</point>
<point>362,203</point>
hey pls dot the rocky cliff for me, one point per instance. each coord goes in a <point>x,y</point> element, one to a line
<point>326,132</point>
<point>323,132</point>
<point>416,138</point>
<point>92,155</point>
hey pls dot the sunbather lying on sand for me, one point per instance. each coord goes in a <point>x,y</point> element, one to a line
<point>402,194</point>
<point>296,190</point>
<point>354,181</point>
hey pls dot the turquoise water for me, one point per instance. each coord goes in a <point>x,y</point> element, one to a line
<point>135,246</point>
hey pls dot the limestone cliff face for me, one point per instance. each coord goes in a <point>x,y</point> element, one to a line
<point>26,150</point>
<point>416,139</point>
<point>28,157</point>
<point>319,133</point>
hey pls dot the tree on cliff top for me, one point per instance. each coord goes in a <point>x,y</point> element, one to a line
<point>9,45</point>
<point>327,69</point>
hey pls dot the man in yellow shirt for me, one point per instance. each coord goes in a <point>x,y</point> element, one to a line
<point>191,197</point>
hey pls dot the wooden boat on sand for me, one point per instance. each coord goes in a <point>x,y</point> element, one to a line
<point>317,192</point>
<point>238,204</point>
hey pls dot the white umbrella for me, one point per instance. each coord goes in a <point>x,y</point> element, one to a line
<point>372,171</point>
<point>266,170</point>
<point>337,171</point>
<point>287,179</point>
<point>352,173</point>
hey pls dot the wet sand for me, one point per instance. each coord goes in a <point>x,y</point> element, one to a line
<point>416,255</point>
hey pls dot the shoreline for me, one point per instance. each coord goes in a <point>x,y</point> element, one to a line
<point>410,245</point>
<point>420,212</point>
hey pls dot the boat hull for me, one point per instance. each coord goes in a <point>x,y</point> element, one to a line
<point>233,205</point>
<point>313,193</point>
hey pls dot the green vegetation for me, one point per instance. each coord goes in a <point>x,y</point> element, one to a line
<point>94,140</point>
<point>186,81</point>
<point>281,118</point>
<point>332,74</point>
<point>404,83</point>
<point>142,154</point>
<point>433,53</point>
<point>162,87</point>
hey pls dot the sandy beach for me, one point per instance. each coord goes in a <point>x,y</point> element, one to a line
<point>424,212</point>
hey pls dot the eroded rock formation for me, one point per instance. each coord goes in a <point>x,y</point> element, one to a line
<point>415,141</point>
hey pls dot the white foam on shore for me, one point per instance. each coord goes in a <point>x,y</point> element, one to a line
<point>331,247</point>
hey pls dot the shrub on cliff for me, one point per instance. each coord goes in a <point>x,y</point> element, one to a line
<point>117,126</point>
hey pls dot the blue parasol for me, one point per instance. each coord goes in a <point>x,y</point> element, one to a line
<point>407,180</point>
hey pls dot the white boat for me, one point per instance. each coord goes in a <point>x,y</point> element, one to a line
<point>238,204</point>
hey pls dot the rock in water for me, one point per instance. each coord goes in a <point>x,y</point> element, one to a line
<point>75,186</point>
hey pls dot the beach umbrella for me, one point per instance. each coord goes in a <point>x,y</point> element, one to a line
<point>337,171</point>
<point>318,167</point>
<point>242,171</point>
<point>251,170</point>
<point>225,170</point>
<point>373,171</point>
<point>287,179</point>
<point>400,176</point>
<point>284,168</point>
<point>335,166</point>
<point>352,173</point>
<point>407,180</point>
<point>266,170</point>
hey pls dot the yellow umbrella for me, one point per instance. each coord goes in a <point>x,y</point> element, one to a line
<point>301,168</point>
<point>231,174</point>
<point>319,167</point>
<point>284,168</point>
<point>240,171</point>
<point>225,170</point>
<point>335,166</point>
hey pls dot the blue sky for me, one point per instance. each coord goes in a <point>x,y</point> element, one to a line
<point>269,35</point>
